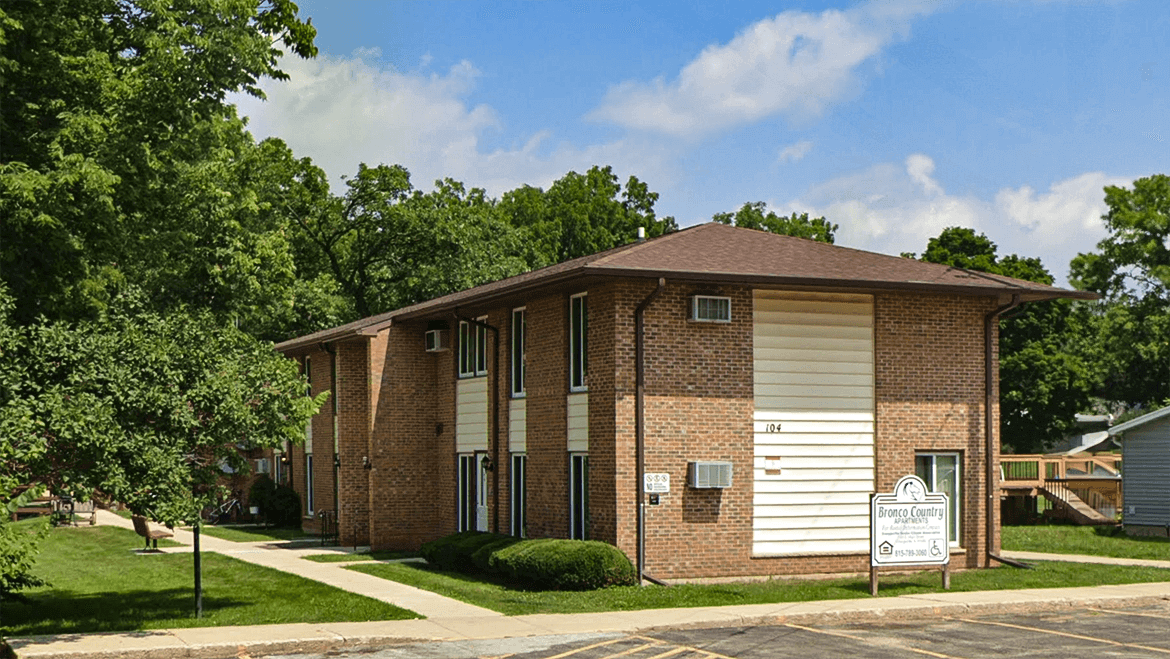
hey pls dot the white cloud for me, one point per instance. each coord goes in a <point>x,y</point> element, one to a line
<point>795,152</point>
<point>893,209</point>
<point>795,63</point>
<point>920,168</point>
<point>344,111</point>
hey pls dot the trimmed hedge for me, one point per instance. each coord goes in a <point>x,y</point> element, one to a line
<point>542,564</point>
<point>564,564</point>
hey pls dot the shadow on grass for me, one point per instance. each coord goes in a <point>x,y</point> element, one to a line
<point>63,611</point>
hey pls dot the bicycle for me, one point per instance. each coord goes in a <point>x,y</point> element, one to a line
<point>230,509</point>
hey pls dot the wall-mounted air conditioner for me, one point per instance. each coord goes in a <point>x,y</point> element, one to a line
<point>710,309</point>
<point>437,341</point>
<point>709,475</point>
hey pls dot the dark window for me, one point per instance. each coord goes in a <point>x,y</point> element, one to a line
<point>518,365</point>
<point>579,496</point>
<point>519,491</point>
<point>578,342</point>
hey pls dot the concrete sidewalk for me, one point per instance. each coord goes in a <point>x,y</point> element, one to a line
<point>450,620</point>
<point>271,555</point>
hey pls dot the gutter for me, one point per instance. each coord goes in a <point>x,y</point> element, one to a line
<point>640,425</point>
<point>990,322</point>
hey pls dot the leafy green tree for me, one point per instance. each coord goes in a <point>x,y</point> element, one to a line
<point>1134,259</point>
<point>146,408</point>
<point>388,245</point>
<point>752,215</point>
<point>122,160</point>
<point>582,214</point>
<point>1131,270</point>
<point>1044,379</point>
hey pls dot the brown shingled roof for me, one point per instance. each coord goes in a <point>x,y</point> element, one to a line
<point>716,252</point>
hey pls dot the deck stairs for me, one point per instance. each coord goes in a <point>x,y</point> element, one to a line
<point>1085,489</point>
<point>1079,511</point>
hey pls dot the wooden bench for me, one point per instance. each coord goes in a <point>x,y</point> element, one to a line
<point>43,505</point>
<point>142,528</point>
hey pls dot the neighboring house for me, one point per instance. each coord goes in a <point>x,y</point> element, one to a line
<point>785,381</point>
<point>1145,443</point>
<point>1092,436</point>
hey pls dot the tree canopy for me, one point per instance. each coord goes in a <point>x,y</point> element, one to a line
<point>123,162</point>
<point>1044,380</point>
<point>752,215</point>
<point>145,407</point>
<point>582,214</point>
<point>1130,337</point>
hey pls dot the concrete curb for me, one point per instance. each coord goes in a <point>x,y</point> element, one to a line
<point>255,641</point>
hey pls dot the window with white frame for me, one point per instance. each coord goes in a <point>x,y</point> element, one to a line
<point>710,309</point>
<point>518,489</point>
<point>940,472</point>
<point>578,342</point>
<point>518,364</point>
<point>472,349</point>
<point>579,496</point>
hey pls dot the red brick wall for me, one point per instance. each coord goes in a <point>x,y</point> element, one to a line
<point>412,479</point>
<point>930,397</point>
<point>547,384</point>
<point>698,407</point>
<point>353,393</point>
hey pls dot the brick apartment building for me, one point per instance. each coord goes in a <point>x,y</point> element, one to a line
<point>783,382</point>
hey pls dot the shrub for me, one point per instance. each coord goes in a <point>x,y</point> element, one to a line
<point>260,495</point>
<point>564,564</point>
<point>284,507</point>
<point>482,556</point>
<point>454,552</point>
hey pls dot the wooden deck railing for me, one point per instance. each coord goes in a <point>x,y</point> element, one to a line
<point>1036,469</point>
<point>1095,479</point>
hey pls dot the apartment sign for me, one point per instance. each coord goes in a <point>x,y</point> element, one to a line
<point>909,526</point>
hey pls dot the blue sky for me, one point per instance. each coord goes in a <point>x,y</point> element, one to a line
<point>894,119</point>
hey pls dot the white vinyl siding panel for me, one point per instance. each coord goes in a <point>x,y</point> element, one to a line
<point>471,415</point>
<point>578,405</point>
<point>518,426</point>
<point>814,423</point>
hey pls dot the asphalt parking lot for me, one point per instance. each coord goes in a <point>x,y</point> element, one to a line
<point>1142,632</point>
<point>1080,632</point>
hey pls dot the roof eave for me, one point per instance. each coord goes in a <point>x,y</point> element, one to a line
<point>1140,421</point>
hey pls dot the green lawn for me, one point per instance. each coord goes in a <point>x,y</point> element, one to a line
<point>495,595</point>
<point>360,556</point>
<point>255,533</point>
<point>99,584</point>
<point>1087,540</point>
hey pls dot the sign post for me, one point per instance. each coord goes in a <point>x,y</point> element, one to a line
<point>909,527</point>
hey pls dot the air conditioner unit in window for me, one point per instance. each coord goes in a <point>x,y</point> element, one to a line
<point>709,475</point>
<point>710,309</point>
<point>436,341</point>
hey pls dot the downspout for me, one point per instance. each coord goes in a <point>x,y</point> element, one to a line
<point>640,425</point>
<point>494,448</point>
<point>990,322</point>
<point>336,445</point>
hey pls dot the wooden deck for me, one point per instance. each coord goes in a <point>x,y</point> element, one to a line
<point>1086,489</point>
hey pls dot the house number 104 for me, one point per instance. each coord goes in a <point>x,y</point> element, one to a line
<point>772,427</point>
